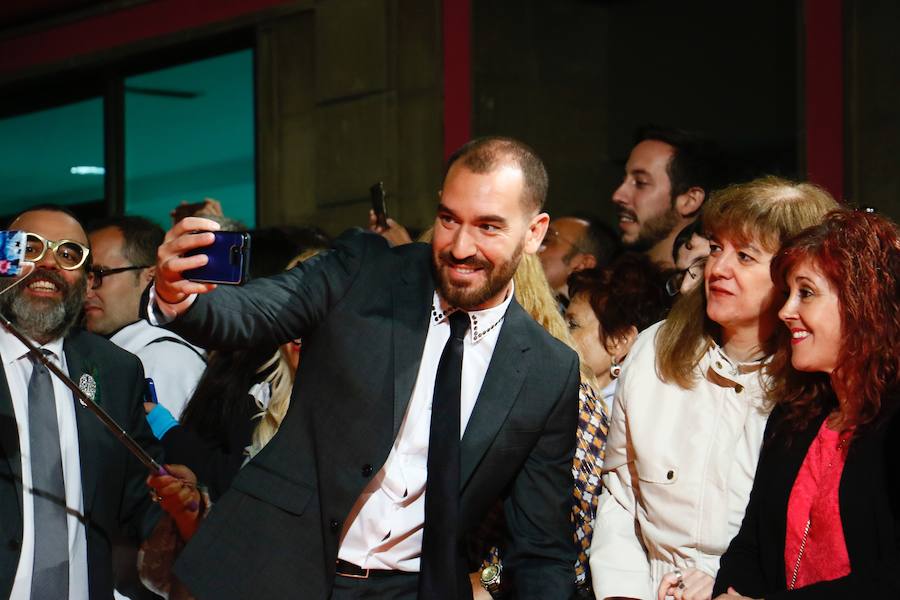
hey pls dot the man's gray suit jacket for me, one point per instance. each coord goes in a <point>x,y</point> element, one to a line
<point>116,496</point>
<point>362,310</point>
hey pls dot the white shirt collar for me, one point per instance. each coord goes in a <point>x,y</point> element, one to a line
<point>481,321</point>
<point>11,349</point>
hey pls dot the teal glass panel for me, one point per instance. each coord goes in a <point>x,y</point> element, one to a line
<point>189,135</point>
<point>52,156</point>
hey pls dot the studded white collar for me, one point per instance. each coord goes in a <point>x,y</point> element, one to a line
<point>481,322</point>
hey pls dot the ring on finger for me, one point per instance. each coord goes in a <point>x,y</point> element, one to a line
<point>154,496</point>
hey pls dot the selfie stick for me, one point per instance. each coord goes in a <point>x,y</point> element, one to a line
<point>85,396</point>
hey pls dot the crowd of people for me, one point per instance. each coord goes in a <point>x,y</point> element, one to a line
<point>699,405</point>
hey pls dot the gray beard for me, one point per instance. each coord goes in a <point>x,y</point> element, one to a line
<point>43,319</point>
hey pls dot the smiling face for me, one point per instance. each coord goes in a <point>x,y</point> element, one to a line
<point>740,296</point>
<point>481,230</point>
<point>812,313</point>
<point>48,302</point>
<point>644,199</point>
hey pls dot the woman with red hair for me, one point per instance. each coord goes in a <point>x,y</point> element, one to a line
<point>823,519</point>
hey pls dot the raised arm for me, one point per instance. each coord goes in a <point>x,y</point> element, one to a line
<point>268,311</point>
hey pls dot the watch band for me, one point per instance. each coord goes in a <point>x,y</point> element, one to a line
<point>490,578</point>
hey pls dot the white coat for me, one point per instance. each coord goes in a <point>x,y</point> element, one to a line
<point>678,470</point>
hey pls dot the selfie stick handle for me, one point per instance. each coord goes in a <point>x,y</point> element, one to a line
<point>85,399</point>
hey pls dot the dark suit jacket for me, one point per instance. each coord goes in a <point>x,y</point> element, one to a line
<point>869,497</point>
<point>116,500</point>
<point>363,311</point>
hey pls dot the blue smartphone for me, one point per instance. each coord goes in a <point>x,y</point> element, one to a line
<point>150,392</point>
<point>229,259</point>
<point>12,253</point>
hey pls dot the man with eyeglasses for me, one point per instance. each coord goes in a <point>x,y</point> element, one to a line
<point>574,243</point>
<point>67,487</point>
<point>124,254</point>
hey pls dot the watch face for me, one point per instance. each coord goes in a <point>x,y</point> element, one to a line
<point>489,573</point>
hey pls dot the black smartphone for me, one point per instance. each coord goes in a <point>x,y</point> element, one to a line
<point>12,253</point>
<point>376,192</point>
<point>229,259</point>
<point>150,391</point>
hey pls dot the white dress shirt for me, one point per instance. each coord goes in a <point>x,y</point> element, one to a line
<point>18,368</point>
<point>384,528</point>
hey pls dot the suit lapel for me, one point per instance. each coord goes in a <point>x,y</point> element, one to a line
<point>9,436</point>
<point>412,294</point>
<point>78,357</point>
<point>501,386</point>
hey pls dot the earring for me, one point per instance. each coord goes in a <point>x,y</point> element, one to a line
<point>614,369</point>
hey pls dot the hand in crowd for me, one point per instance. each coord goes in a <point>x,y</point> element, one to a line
<point>686,584</point>
<point>176,492</point>
<point>394,233</point>
<point>210,207</point>
<point>732,595</point>
<point>478,591</point>
<point>171,287</point>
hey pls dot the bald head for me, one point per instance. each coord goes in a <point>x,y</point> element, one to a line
<point>487,154</point>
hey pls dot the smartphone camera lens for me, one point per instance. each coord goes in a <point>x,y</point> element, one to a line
<point>234,256</point>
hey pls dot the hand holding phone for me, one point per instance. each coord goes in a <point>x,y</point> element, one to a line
<point>377,196</point>
<point>228,259</point>
<point>170,283</point>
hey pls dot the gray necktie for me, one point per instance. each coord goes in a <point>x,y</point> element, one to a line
<point>50,577</point>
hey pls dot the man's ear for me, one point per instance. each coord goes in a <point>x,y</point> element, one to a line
<point>147,276</point>
<point>537,228</point>
<point>689,203</point>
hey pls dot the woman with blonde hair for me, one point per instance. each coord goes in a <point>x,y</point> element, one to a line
<point>692,404</point>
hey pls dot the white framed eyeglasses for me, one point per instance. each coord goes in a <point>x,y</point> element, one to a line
<point>69,254</point>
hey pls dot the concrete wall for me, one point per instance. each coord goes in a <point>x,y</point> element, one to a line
<point>350,94</point>
<point>574,79</point>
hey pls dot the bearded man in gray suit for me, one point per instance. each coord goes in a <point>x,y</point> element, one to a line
<point>371,486</point>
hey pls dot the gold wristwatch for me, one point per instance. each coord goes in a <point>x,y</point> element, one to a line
<point>490,578</point>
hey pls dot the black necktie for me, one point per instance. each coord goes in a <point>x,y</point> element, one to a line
<point>50,577</point>
<point>438,576</point>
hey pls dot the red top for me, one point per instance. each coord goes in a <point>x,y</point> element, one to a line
<point>814,500</point>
